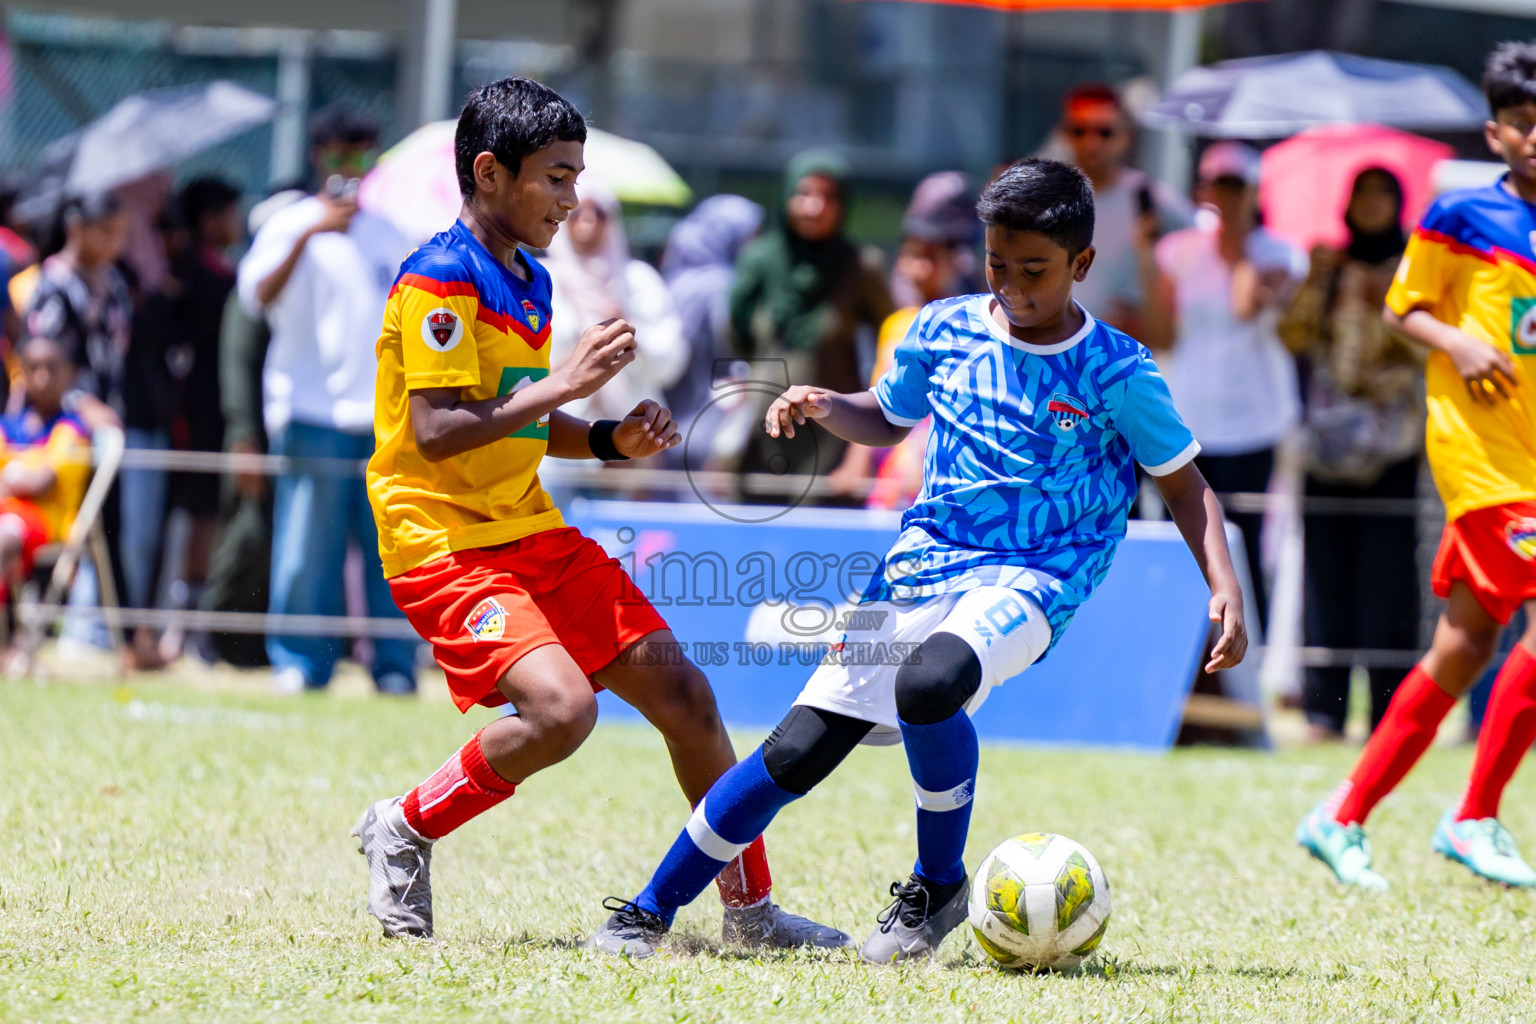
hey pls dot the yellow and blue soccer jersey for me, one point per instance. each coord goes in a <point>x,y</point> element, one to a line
<point>458,318</point>
<point>1471,264</point>
<point>63,444</point>
<point>1028,476</point>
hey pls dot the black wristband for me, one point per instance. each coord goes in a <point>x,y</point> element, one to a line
<point>600,440</point>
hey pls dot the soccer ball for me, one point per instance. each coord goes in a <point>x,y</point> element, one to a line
<point>1039,902</point>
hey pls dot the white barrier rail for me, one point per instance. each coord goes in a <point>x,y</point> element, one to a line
<point>255,623</point>
<point>578,474</point>
<point>262,623</point>
<point>625,478</point>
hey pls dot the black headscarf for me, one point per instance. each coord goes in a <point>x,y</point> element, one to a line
<point>1379,246</point>
<point>797,274</point>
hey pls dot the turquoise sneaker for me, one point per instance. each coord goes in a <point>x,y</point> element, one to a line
<point>1485,847</point>
<point>1344,848</point>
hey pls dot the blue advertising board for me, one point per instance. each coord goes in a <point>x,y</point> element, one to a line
<point>756,604</point>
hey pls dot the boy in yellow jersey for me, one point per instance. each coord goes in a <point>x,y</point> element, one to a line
<point>518,607</point>
<point>45,462</point>
<point>936,260</point>
<point>1466,289</point>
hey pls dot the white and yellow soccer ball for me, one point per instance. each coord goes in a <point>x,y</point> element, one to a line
<point>1039,902</point>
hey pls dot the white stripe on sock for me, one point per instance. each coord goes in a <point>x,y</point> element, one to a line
<point>708,840</point>
<point>947,800</point>
<point>446,794</point>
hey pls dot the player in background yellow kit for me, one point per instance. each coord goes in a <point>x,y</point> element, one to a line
<point>1466,289</point>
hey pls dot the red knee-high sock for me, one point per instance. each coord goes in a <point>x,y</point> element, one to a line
<point>746,880</point>
<point>1509,728</point>
<point>462,788</point>
<point>1405,732</point>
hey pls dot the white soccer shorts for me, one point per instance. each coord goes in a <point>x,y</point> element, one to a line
<point>1006,628</point>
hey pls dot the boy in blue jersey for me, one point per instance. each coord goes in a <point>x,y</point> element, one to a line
<point>1038,413</point>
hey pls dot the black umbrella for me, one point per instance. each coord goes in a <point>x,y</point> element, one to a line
<point>1275,97</point>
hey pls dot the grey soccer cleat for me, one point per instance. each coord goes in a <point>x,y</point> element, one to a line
<point>916,921</point>
<point>767,925</point>
<point>630,930</point>
<point>399,871</point>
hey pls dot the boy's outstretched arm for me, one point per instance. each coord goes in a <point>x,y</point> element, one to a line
<point>857,417</point>
<point>445,425</point>
<point>648,430</point>
<point>1195,509</point>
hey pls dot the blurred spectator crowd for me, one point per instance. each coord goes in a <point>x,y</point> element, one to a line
<point>159,330</point>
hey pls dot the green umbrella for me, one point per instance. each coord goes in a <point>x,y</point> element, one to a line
<point>634,172</point>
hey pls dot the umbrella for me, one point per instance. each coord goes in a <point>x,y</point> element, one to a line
<point>416,186</point>
<point>159,128</point>
<point>1307,179</point>
<point>142,134</point>
<point>634,171</point>
<point>1272,97</point>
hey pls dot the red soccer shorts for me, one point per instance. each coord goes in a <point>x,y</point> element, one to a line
<point>485,608</point>
<point>1493,551</point>
<point>27,520</point>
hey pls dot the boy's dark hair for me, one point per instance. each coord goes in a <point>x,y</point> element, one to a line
<point>1509,77</point>
<point>1046,196</point>
<point>511,119</point>
<point>203,196</point>
<point>342,123</point>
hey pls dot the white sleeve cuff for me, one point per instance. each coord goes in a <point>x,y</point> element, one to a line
<point>1178,462</point>
<point>891,417</point>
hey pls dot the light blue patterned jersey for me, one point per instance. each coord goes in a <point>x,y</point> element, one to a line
<point>1028,475</point>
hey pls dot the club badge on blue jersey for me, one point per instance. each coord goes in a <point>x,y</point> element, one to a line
<point>1067,411</point>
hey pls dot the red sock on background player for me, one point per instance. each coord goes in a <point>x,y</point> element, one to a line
<point>1405,732</point>
<point>746,881</point>
<point>1509,729</point>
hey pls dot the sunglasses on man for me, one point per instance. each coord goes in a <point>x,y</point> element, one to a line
<point>1103,131</point>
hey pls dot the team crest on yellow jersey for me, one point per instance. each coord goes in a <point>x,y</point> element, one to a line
<point>532,312</point>
<point>442,329</point>
<point>487,621</point>
<point>1521,537</point>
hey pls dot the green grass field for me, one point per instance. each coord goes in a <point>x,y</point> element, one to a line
<point>180,853</point>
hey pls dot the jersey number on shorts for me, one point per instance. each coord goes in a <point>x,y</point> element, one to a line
<point>1001,619</point>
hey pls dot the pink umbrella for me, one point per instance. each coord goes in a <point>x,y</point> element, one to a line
<point>414,184</point>
<point>1308,177</point>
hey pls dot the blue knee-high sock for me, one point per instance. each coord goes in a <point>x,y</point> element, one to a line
<point>943,758</point>
<point>735,811</point>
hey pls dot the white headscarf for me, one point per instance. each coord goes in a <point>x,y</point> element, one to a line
<point>608,283</point>
<point>592,287</point>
